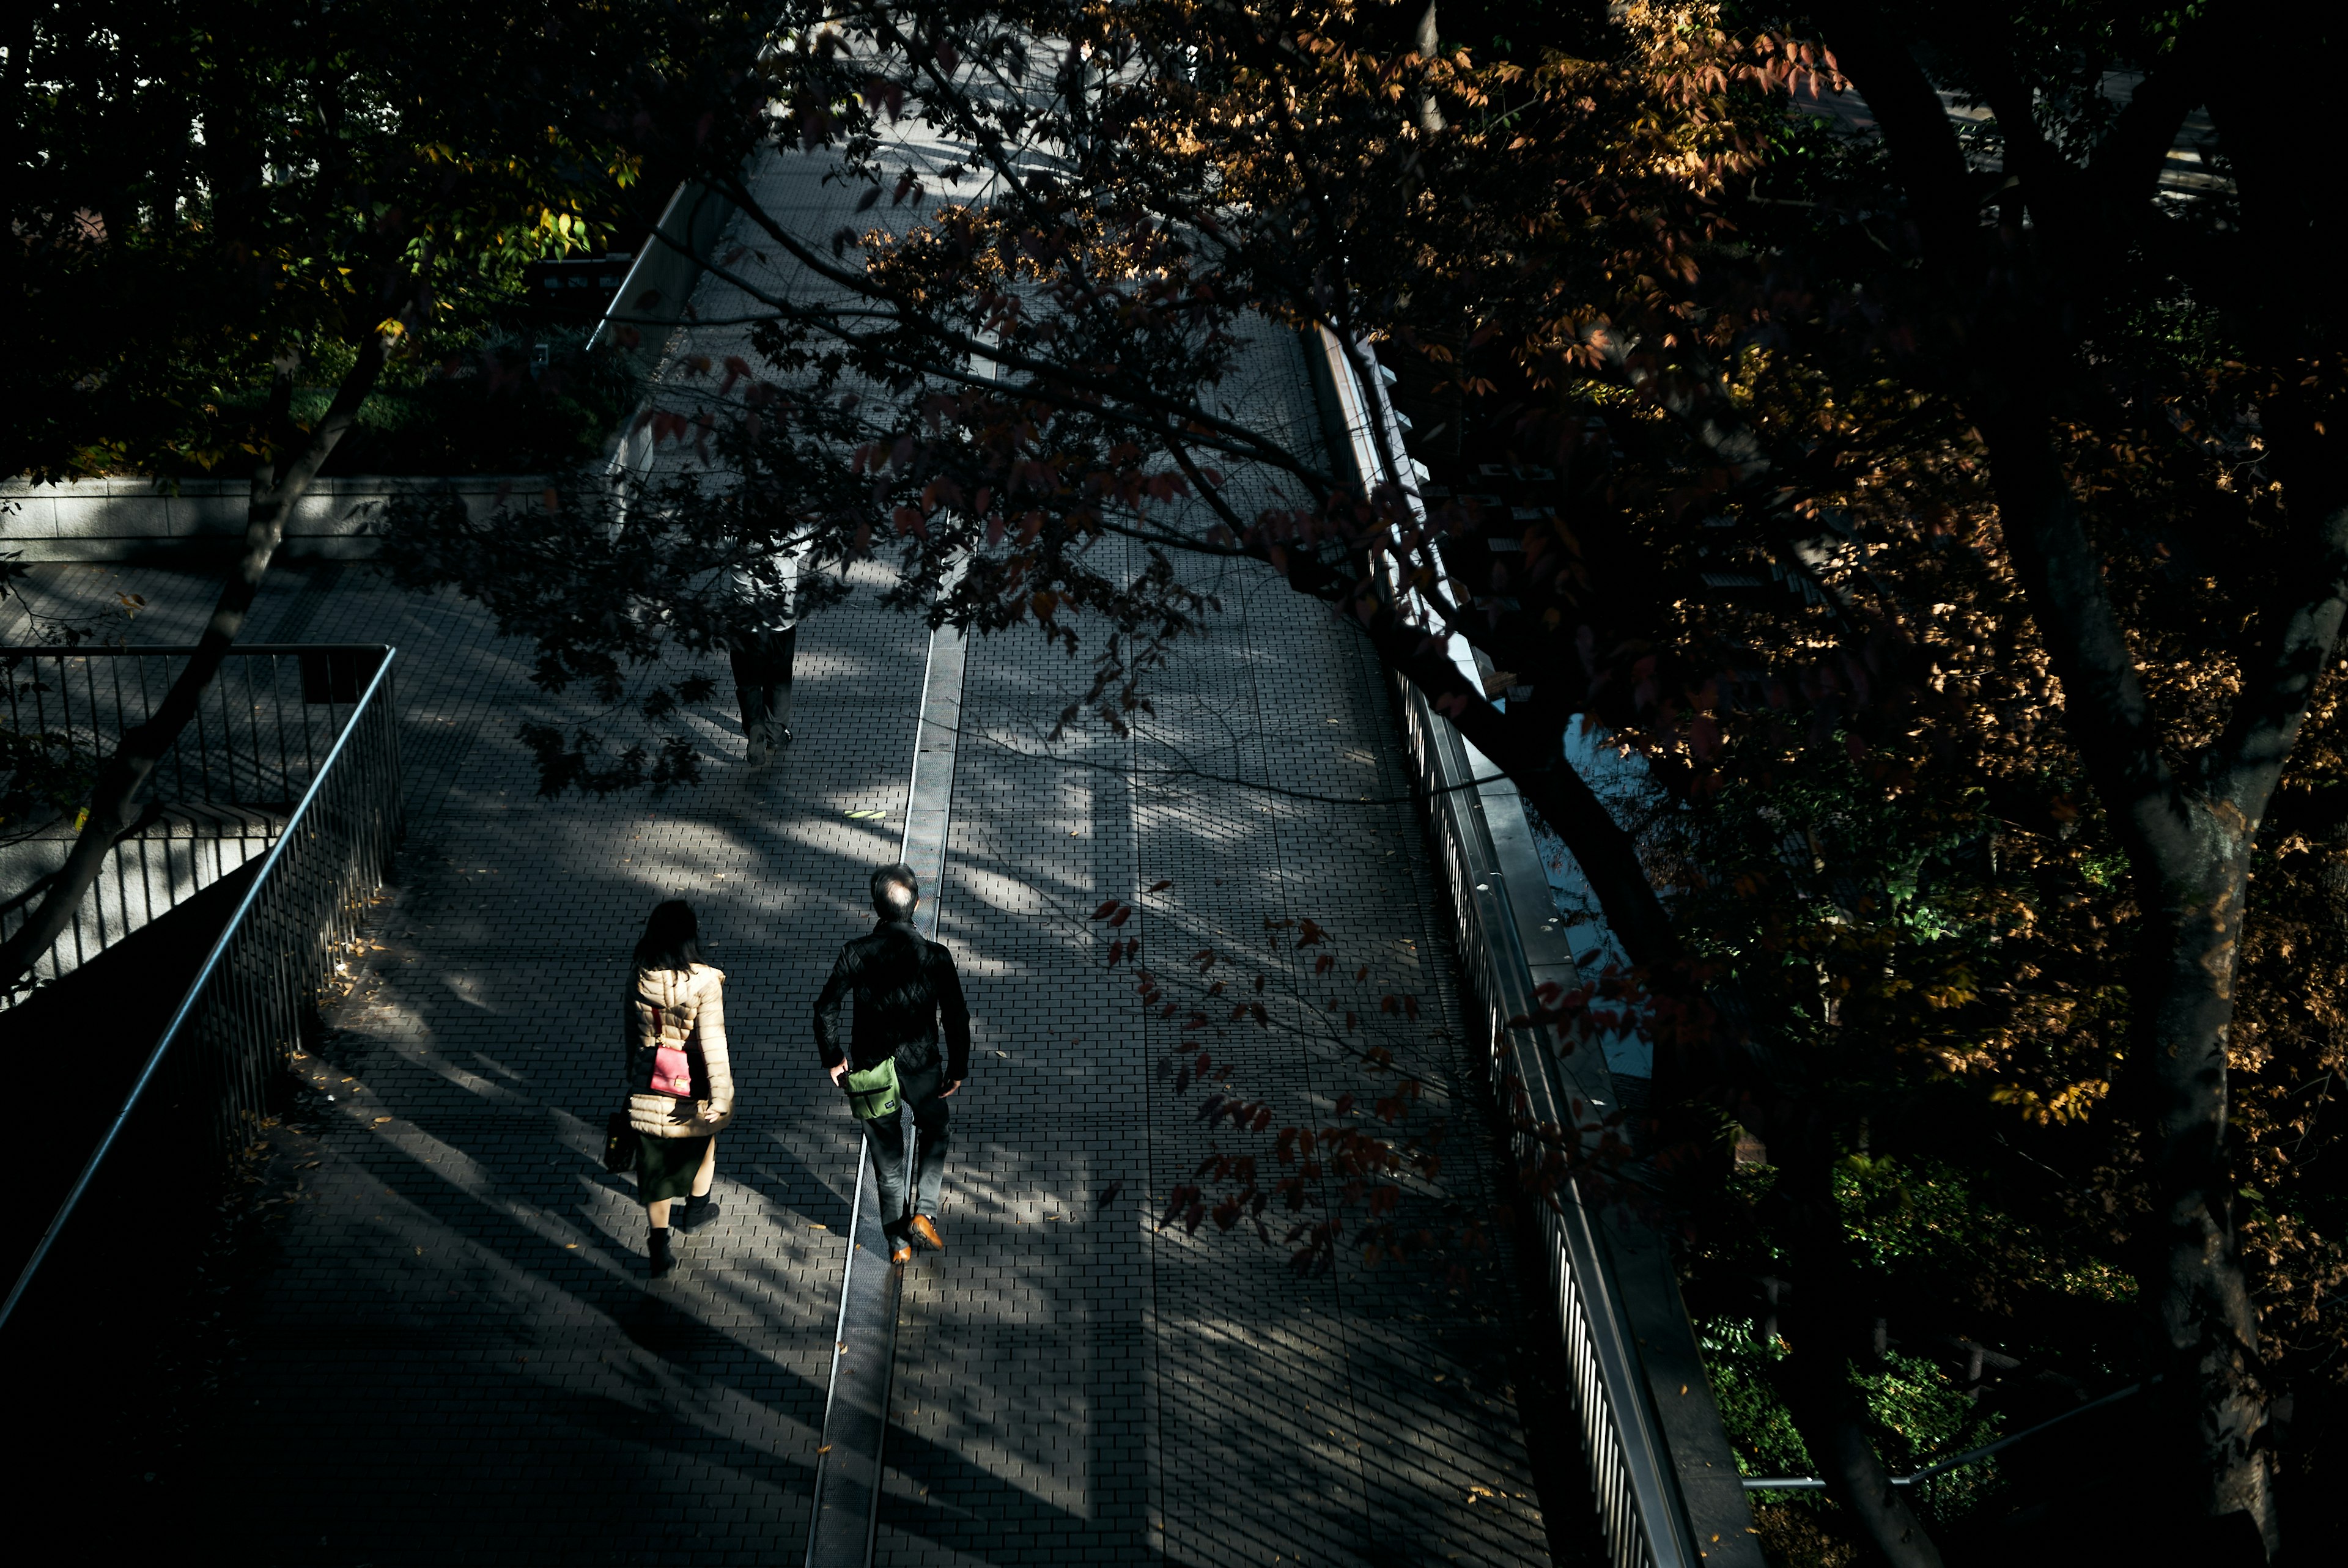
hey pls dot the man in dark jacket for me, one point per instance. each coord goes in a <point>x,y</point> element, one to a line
<point>905,986</point>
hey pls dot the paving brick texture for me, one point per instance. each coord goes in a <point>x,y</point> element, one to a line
<point>458,1358</point>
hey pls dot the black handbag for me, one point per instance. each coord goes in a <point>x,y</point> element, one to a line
<point>619,1143</point>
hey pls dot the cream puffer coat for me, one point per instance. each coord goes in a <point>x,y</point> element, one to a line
<point>683,1008</point>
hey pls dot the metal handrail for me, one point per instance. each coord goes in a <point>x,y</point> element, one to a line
<point>220,790</point>
<point>1954,1461</point>
<point>191,1004</point>
<point>1643,1513</point>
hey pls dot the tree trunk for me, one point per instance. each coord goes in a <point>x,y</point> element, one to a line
<point>2208,1327</point>
<point>1430,117</point>
<point>1530,756</point>
<point>1825,1318</point>
<point>1814,1379</point>
<point>2188,849</point>
<point>1833,1428</point>
<point>114,802</point>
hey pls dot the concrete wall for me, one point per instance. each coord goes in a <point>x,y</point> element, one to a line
<point>130,520</point>
<point>118,520</point>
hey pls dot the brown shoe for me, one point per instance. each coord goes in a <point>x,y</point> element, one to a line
<point>901,1253</point>
<point>927,1229</point>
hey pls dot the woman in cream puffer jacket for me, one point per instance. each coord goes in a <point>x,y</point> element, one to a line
<point>677,999</point>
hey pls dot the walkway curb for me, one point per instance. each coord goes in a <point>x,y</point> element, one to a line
<point>846,1507</point>
<point>844,1515</point>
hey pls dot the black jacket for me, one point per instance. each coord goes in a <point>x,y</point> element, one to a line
<point>904,984</point>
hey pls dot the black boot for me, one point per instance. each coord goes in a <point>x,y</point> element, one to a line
<point>658,1250</point>
<point>699,1210</point>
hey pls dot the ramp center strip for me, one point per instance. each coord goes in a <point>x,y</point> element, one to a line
<point>846,1511</point>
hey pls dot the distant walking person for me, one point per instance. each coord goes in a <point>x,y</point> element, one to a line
<point>680,1083</point>
<point>905,987</point>
<point>763,647</point>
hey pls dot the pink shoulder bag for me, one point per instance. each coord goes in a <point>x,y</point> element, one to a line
<point>671,1071</point>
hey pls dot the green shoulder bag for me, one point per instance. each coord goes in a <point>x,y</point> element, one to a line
<point>873,1094</point>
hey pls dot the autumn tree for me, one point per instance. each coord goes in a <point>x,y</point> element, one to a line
<point>2042,287</point>
<point>1003,382</point>
<point>1916,365</point>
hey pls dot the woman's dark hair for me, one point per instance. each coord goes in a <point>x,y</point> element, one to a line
<point>672,939</point>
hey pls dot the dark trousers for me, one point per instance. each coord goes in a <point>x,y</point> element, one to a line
<point>762,680</point>
<point>921,1103</point>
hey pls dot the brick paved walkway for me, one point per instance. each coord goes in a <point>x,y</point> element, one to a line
<point>458,1358</point>
<point>1142,1384</point>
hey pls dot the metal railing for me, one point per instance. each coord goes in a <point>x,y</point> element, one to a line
<point>1643,1517</point>
<point>243,1014</point>
<point>1510,944</point>
<point>1957,1462</point>
<point>258,739</point>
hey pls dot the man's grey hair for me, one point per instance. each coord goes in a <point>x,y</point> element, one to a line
<point>895,891</point>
